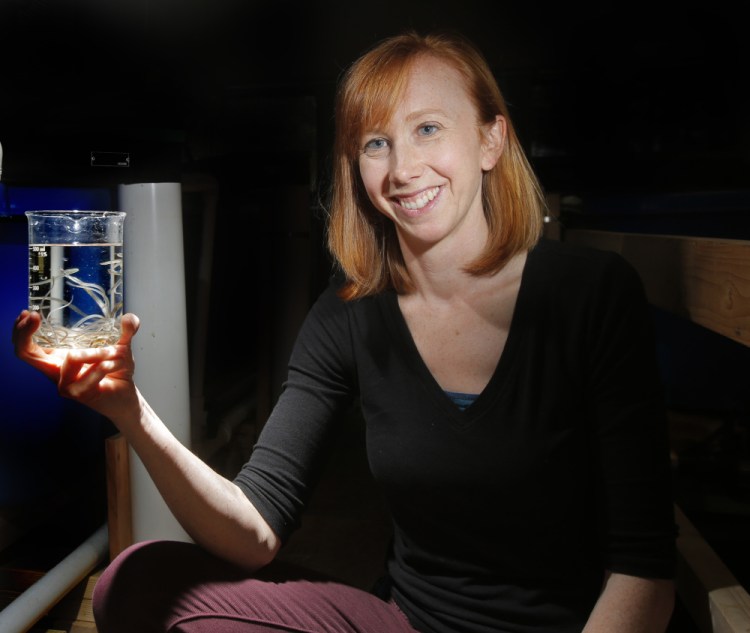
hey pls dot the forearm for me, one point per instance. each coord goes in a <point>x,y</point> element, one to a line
<point>211,509</point>
<point>629,604</point>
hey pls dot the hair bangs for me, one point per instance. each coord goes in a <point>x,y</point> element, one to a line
<point>373,93</point>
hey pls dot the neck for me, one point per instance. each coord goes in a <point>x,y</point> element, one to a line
<point>439,269</point>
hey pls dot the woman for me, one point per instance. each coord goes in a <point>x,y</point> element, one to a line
<point>513,411</point>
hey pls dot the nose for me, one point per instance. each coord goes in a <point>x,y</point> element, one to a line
<point>405,163</point>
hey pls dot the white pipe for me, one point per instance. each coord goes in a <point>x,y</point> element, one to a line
<point>30,606</point>
<point>154,277</point>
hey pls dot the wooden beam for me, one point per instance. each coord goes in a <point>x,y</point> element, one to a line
<point>703,279</point>
<point>711,594</point>
<point>119,517</point>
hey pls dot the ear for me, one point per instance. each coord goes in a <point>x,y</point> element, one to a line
<point>493,141</point>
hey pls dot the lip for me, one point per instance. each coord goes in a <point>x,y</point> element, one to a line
<point>419,201</point>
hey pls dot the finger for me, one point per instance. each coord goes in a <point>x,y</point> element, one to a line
<point>46,360</point>
<point>88,381</point>
<point>90,355</point>
<point>25,325</point>
<point>75,362</point>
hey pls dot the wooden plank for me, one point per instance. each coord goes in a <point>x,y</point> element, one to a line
<point>74,606</point>
<point>119,517</point>
<point>716,601</point>
<point>73,613</point>
<point>703,279</point>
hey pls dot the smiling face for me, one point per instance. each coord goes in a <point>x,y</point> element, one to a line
<point>423,167</point>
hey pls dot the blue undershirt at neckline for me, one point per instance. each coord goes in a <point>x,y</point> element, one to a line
<point>462,400</point>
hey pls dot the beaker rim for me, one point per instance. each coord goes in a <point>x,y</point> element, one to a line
<point>49,212</point>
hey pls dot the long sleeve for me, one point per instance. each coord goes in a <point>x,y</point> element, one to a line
<point>286,460</point>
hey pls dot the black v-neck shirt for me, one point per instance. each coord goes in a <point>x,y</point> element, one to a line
<point>507,513</point>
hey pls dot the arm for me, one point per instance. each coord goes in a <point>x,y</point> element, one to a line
<point>629,604</point>
<point>632,465</point>
<point>213,510</point>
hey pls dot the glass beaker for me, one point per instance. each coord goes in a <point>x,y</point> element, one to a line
<point>76,276</point>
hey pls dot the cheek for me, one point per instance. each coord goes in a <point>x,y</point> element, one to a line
<point>453,158</point>
<point>372,178</point>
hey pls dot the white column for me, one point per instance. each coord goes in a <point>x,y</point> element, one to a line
<point>155,290</point>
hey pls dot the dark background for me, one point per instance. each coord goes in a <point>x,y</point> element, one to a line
<point>606,96</point>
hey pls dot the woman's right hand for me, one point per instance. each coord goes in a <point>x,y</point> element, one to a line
<point>100,378</point>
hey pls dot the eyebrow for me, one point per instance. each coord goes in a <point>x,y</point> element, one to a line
<point>427,112</point>
<point>414,116</point>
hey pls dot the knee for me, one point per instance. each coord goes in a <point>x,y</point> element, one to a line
<point>130,595</point>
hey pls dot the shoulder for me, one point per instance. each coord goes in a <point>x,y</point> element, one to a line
<point>330,298</point>
<point>560,263</point>
<point>334,329</point>
<point>581,283</point>
<point>575,257</point>
<point>330,311</point>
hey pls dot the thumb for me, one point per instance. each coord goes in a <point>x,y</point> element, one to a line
<point>130,324</point>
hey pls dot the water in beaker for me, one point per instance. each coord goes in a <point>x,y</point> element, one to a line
<point>76,276</point>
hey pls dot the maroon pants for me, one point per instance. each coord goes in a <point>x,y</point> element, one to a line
<point>179,587</point>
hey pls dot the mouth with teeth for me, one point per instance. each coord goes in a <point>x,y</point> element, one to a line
<point>421,200</point>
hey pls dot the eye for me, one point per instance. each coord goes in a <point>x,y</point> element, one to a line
<point>427,129</point>
<point>376,147</point>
